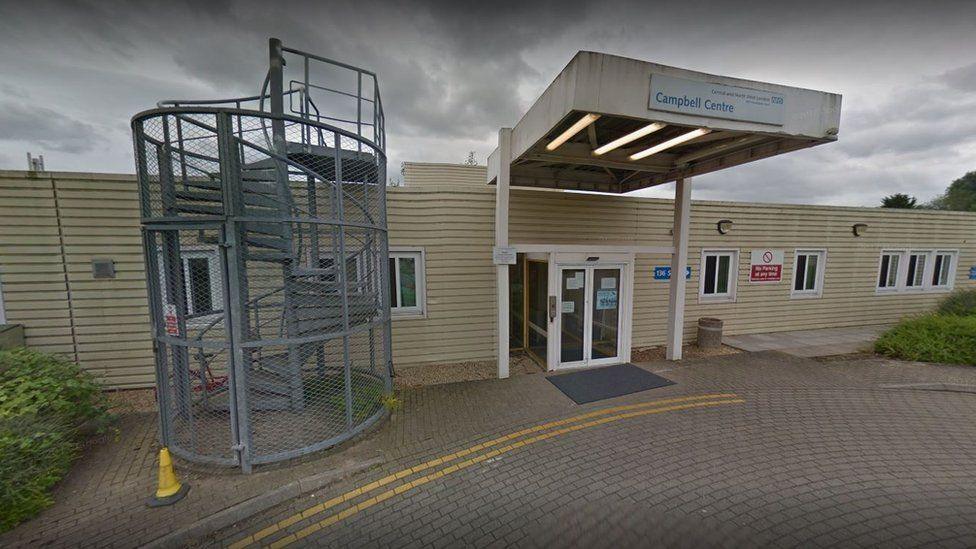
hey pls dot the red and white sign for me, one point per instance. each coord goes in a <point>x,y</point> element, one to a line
<point>169,319</point>
<point>766,266</point>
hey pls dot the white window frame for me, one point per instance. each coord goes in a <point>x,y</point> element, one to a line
<point>899,274</point>
<point>927,264</point>
<point>818,284</point>
<point>728,297</point>
<point>928,270</point>
<point>950,279</point>
<point>420,255</point>
<point>212,255</point>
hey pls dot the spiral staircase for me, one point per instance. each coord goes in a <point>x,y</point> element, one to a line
<point>291,194</point>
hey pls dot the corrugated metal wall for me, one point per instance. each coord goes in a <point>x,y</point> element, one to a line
<point>52,225</point>
<point>545,217</point>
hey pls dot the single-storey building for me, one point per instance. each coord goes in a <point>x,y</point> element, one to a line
<point>589,282</point>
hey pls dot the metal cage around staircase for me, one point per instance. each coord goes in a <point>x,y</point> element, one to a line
<point>264,230</point>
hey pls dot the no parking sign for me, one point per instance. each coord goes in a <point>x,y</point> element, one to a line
<point>766,266</point>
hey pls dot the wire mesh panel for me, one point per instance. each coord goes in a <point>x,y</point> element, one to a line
<point>265,243</point>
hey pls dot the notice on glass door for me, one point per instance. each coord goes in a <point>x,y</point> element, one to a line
<point>608,283</point>
<point>606,299</point>
<point>569,306</point>
<point>576,282</point>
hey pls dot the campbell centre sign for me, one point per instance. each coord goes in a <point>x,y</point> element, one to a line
<point>672,94</point>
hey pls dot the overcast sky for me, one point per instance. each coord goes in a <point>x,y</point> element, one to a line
<point>451,73</point>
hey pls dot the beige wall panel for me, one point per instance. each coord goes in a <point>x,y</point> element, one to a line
<point>448,210</point>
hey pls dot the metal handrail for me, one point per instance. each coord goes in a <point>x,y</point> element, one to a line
<point>160,111</point>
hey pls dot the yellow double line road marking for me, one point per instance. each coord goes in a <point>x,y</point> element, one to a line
<point>562,426</point>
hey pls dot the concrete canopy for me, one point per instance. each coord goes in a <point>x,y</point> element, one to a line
<point>659,123</point>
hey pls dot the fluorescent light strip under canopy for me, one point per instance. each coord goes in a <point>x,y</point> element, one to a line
<point>670,143</point>
<point>573,130</point>
<point>632,136</point>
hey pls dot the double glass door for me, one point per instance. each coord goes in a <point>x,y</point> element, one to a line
<point>589,315</point>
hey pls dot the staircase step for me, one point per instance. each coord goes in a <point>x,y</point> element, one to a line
<point>251,186</point>
<point>279,244</point>
<point>250,198</point>
<point>271,257</point>
<point>206,209</point>
<point>200,209</point>
<point>263,227</point>
<point>260,242</point>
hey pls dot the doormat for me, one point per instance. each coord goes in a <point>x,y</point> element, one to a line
<point>608,382</point>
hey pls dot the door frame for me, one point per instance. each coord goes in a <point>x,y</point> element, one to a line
<point>623,261</point>
<point>544,259</point>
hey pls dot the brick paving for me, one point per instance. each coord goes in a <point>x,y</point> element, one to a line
<point>819,453</point>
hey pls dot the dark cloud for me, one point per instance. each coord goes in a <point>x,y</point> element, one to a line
<point>452,73</point>
<point>963,78</point>
<point>46,128</point>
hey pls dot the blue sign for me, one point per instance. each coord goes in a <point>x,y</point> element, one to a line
<point>972,273</point>
<point>664,273</point>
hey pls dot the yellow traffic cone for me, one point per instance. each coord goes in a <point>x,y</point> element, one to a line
<point>170,490</point>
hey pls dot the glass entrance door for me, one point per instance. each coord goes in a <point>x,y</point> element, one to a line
<point>589,315</point>
<point>605,319</point>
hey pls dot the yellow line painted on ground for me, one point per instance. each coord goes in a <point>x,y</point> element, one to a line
<point>342,515</point>
<point>316,509</point>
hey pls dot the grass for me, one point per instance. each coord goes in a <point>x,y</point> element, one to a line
<point>368,394</point>
<point>933,337</point>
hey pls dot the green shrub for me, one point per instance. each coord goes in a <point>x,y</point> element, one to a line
<point>46,403</point>
<point>960,302</point>
<point>932,338</point>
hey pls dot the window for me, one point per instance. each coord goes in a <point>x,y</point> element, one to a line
<point>354,277</point>
<point>808,270</point>
<point>202,282</point>
<point>942,266</point>
<point>718,275</point>
<point>199,284</point>
<point>916,270</point>
<point>407,282</point>
<point>888,275</point>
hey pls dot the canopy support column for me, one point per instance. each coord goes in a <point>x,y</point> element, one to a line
<point>679,263</point>
<point>501,239</point>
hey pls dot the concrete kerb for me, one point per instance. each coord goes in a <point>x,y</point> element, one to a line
<point>250,507</point>
<point>941,387</point>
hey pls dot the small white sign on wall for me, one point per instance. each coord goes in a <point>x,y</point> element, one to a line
<point>504,255</point>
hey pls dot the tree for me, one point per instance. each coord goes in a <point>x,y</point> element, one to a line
<point>471,160</point>
<point>960,195</point>
<point>899,200</point>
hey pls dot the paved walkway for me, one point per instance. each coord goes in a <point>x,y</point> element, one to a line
<point>863,449</point>
<point>810,343</point>
<point>745,450</point>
